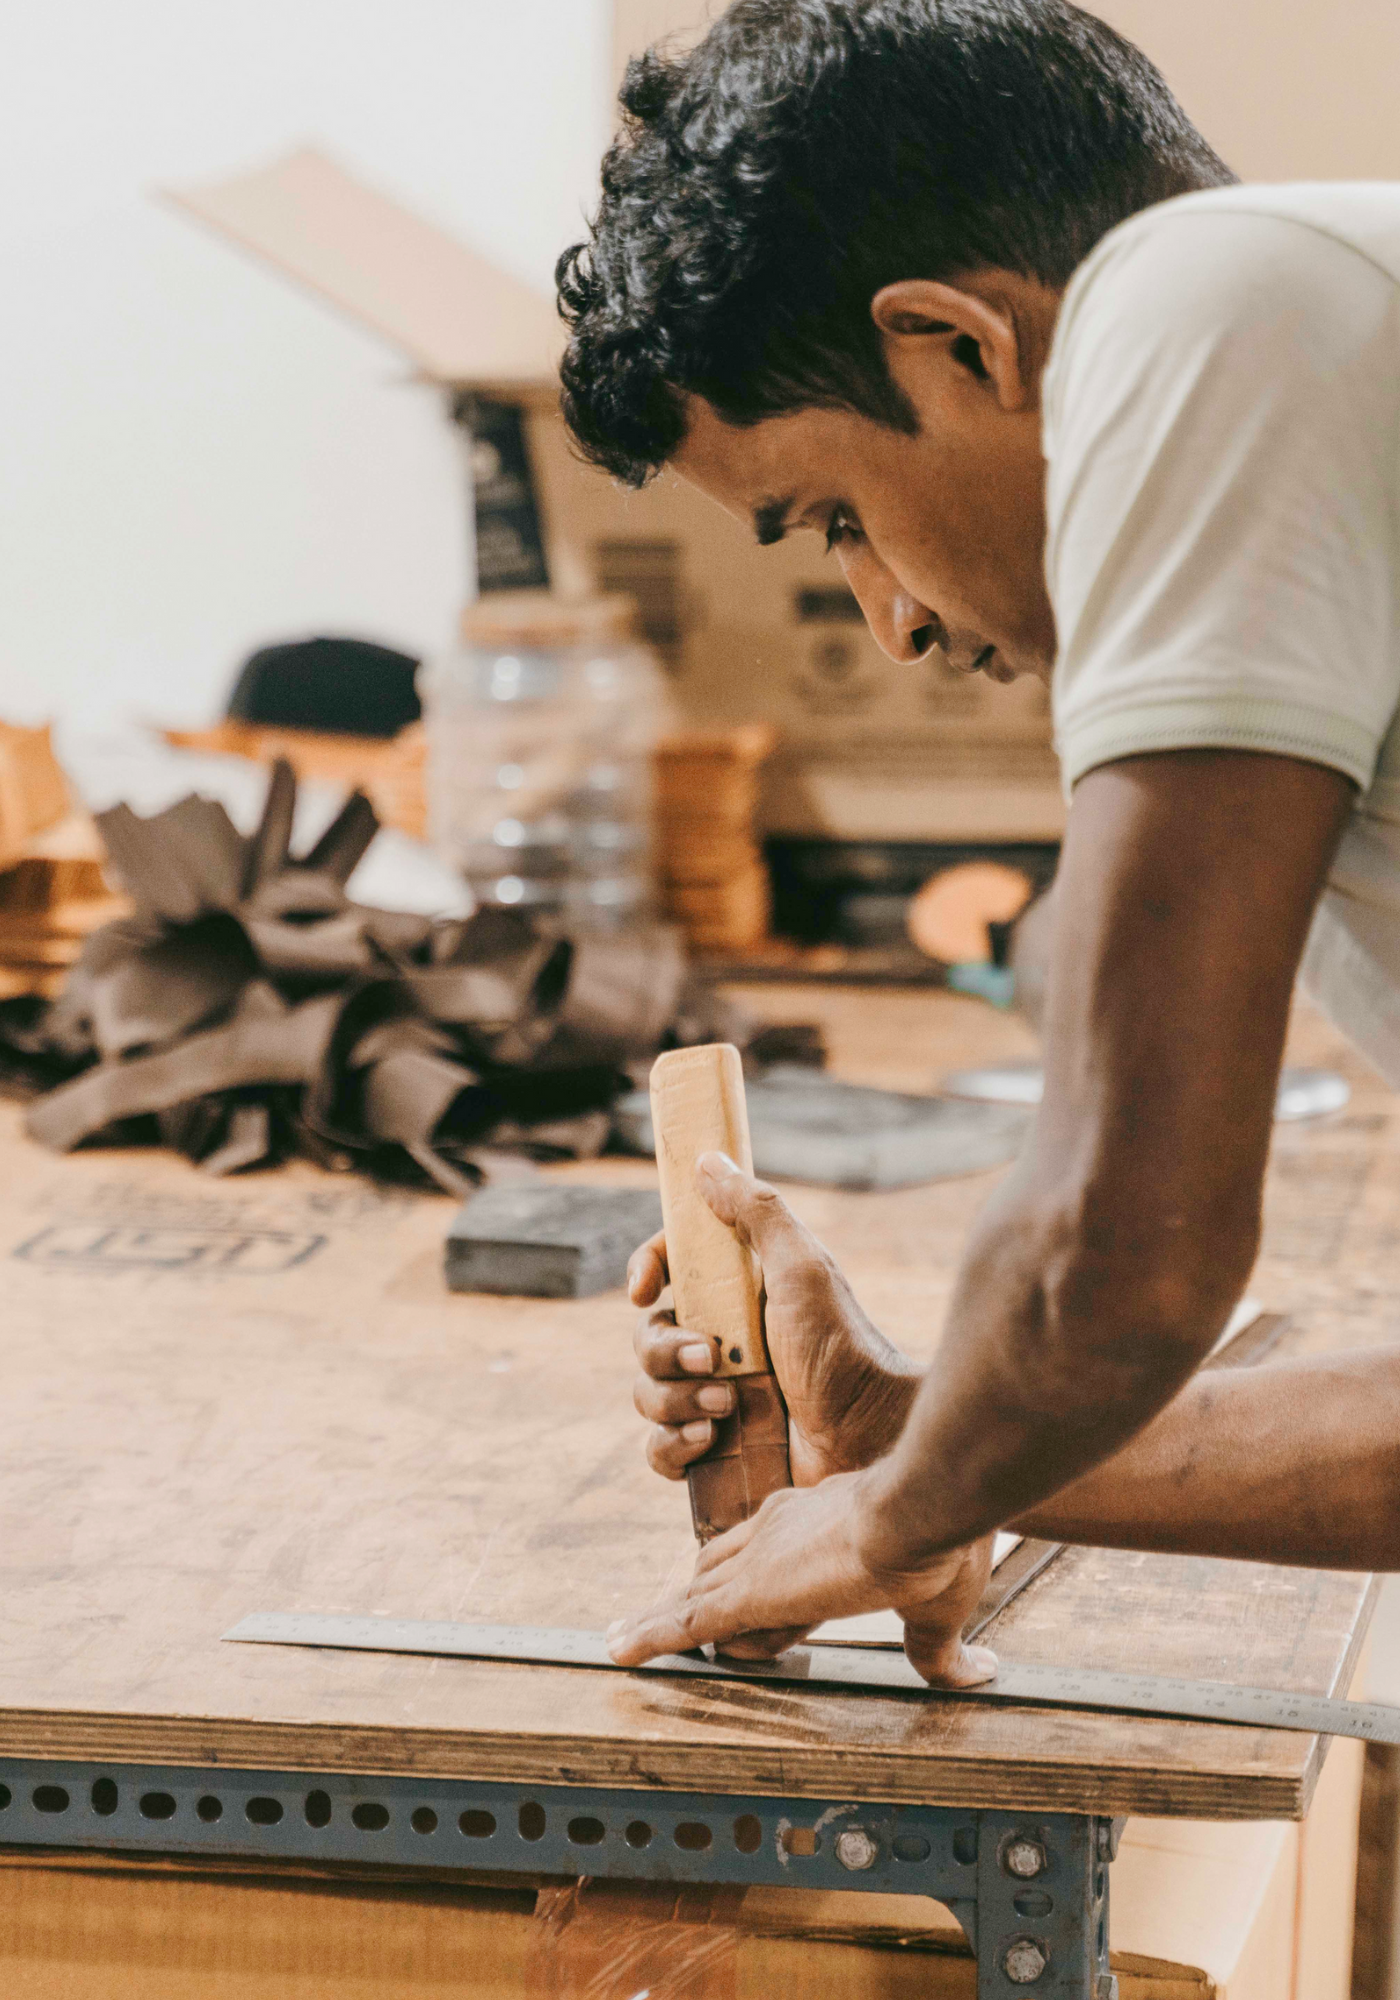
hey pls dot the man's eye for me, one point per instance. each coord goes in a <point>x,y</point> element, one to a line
<point>840,528</point>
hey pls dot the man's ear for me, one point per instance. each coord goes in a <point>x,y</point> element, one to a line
<point>987,338</point>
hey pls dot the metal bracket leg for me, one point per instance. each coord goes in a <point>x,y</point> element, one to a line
<point>1042,1907</point>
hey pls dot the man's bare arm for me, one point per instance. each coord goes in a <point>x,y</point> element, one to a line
<point>1295,1462</point>
<point>1106,1265</point>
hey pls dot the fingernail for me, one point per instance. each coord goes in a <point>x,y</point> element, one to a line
<point>698,1360</point>
<point>618,1625</point>
<point>983,1659</point>
<point>697,1432</point>
<point>717,1165</point>
<point>716,1398</point>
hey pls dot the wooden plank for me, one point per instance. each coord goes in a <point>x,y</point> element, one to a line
<point>260,1396</point>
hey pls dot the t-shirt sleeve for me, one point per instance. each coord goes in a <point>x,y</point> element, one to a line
<point>1222,423</point>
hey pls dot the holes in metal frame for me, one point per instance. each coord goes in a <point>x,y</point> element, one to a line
<point>476,1823</point>
<point>1032,1903</point>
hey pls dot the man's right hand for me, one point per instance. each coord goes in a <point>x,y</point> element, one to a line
<point>847,1389</point>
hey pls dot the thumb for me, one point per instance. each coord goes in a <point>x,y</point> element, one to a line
<point>755,1211</point>
<point>946,1660</point>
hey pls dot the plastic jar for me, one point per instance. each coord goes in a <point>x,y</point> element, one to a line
<point>539,733</point>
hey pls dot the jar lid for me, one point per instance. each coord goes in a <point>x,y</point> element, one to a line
<point>536,618</point>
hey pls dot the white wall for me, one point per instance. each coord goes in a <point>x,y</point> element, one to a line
<point>1300,91</point>
<point>194,457</point>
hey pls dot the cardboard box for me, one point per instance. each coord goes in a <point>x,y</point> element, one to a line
<point>868,750</point>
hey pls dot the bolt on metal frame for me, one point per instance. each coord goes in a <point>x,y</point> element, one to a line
<point>1029,1889</point>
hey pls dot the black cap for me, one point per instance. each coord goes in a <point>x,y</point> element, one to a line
<point>346,686</point>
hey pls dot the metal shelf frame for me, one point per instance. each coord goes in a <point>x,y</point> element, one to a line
<point>1030,1890</point>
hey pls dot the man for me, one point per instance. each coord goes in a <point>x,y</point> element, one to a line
<point>957,285</point>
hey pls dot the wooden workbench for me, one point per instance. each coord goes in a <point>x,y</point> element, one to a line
<point>256,1395</point>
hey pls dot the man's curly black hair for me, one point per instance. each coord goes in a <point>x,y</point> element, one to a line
<point>767,184</point>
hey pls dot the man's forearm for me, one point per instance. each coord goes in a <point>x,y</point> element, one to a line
<point>1035,1383</point>
<point>1296,1462</point>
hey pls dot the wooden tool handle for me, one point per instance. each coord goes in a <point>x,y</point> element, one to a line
<point>697,1106</point>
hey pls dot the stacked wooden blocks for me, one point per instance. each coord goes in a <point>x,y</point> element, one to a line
<point>33,791</point>
<point>52,891</point>
<point>712,874</point>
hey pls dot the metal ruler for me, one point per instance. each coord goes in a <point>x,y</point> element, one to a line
<point>870,1670</point>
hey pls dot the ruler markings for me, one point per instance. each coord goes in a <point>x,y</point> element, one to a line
<point>866,1669</point>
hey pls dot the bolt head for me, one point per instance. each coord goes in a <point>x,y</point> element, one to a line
<point>855,1849</point>
<point>1025,1859</point>
<point>1024,1961</point>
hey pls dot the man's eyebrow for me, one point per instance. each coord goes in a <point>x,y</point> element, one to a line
<point>770,521</point>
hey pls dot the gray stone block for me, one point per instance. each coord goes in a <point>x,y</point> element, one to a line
<point>548,1242</point>
<point>809,1127</point>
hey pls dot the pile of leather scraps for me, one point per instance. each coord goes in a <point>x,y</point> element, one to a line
<point>247,1010</point>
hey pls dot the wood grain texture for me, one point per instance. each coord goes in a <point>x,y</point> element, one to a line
<point>259,1396</point>
<point>698,1106</point>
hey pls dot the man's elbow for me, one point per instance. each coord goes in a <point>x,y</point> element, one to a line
<point>1129,1312</point>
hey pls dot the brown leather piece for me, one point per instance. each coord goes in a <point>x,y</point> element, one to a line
<point>747,1461</point>
<point>249,1009</point>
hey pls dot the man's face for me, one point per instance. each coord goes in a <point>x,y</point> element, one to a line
<point>940,535</point>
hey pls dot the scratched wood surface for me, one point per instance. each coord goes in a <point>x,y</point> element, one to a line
<point>257,1395</point>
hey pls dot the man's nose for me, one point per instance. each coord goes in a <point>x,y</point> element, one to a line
<point>901,626</point>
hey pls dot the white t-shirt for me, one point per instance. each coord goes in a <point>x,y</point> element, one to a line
<point>1222,435</point>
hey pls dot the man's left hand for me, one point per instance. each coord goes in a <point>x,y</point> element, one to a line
<point>768,1582</point>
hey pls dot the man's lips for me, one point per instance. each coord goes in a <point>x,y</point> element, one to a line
<point>991,663</point>
<point>961,657</point>
<point>984,661</point>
